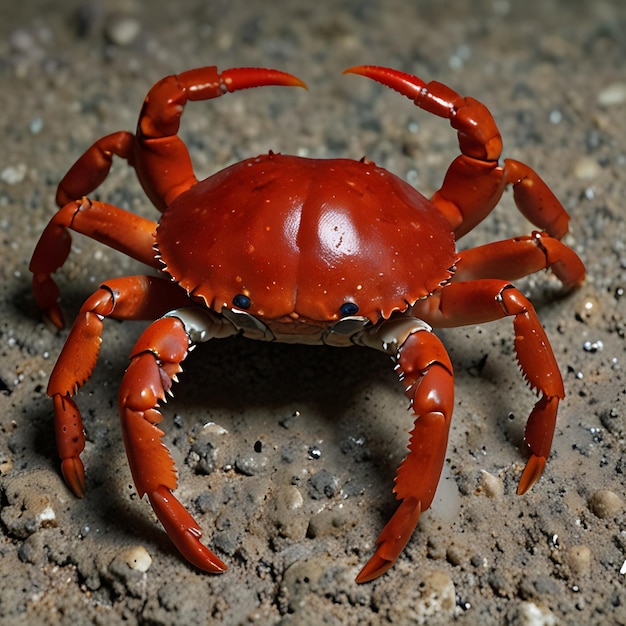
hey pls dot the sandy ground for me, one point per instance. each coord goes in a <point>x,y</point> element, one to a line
<point>287,454</point>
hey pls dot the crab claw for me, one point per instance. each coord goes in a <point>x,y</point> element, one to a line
<point>248,77</point>
<point>406,84</point>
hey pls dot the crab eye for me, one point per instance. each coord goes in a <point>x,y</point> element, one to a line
<point>348,308</point>
<point>241,301</point>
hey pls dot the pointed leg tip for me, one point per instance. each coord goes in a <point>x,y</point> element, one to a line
<point>297,82</point>
<point>56,317</point>
<point>211,563</point>
<point>200,556</point>
<point>356,69</point>
<point>184,531</point>
<point>392,539</point>
<point>374,568</point>
<point>74,475</point>
<point>285,79</point>
<point>531,474</point>
<point>205,559</point>
<point>219,567</point>
<point>405,84</point>
<point>247,77</point>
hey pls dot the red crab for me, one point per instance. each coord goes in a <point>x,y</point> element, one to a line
<point>283,248</point>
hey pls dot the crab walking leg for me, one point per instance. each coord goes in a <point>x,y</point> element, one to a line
<point>131,234</point>
<point>425,369</point>
<point>514,258</point>
<point>133,297</point>
<point>90,170</point>
<point>155,363</point>
<point>475,181</point>
<point>471,189</point>
<point>485,300</point>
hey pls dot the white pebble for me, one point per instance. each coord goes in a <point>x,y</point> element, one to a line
<point>491,485</point>
<point>47,517</point>
<point>529,614</point>
<point>137,558</point>
<point>613,95</point>
<point>13,174</point>
<point>36,125</point>
<point>123,31</point>
<point>586,168</point>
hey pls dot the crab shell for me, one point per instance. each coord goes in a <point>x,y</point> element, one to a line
<point>300,237</point>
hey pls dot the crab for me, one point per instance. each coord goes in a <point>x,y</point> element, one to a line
<point>297,250</point>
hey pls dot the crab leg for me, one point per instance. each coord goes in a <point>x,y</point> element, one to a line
<point>485,300</point>
<point>161,158</point>
<point>426,372</point>
<point>475,181</point>
<point>155,362</point>
<point>133,297</point>
<point>90,170</point>
<point>124,231</point>
<point>514,258</point>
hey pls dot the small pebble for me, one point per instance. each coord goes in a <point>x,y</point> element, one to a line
<point>211,449</point>
<point>491,485</point>
<point>605,503</point>
<point>122,31</point>
<point>304,579</point>
<point>587,307</point>
<point>137,558</point>
<point>36,125</point>
<point>13,174</point>
<point>579,559</point>
<point>323,483</point>
<point>292,498</point>
<point>127,570</point>
<point>586,168</point>
<point>284,509</point>
<point>593,346</point>
<point>612,95</point>
<point>529,614</point>
<point>315,453</point>
<point>251,464</point>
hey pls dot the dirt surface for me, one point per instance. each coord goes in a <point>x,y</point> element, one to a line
<point>286,454</point>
